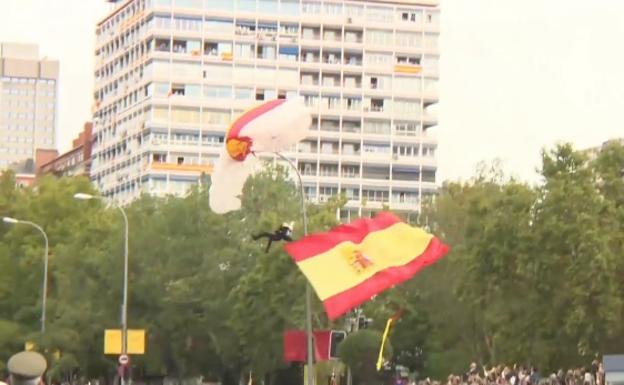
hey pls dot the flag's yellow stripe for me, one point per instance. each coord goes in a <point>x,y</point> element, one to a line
<point>331,273</point>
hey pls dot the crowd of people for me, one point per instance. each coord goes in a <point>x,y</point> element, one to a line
<point>524,375</point>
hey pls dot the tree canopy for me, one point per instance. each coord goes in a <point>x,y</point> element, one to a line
<point>533,275</point>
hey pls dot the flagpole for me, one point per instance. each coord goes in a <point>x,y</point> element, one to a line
<point>308,294</point>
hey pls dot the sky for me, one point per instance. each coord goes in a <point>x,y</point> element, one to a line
<point>516,76</point>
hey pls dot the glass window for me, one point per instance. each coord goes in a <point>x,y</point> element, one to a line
<point>407,83</point>
<point>225,26</point>
<point>290,7</point>
<point>214,92</point>
<point>431,41</point>
<point>215,117</point>
<point>382,14</point>
<point>226,5</point>
<point>190,3</point>
<point>267,6</point>
<point>332,9</point>
<point>309,6</point>
<point>192,90</point>
<point>408,39</point>
<point>379,37</point>
<point>246,5</point>
<point>244,50</point>
<point>244,93</point>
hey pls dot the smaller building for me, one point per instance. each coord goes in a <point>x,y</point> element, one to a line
<point>76,161</point>
<point>27,170</point>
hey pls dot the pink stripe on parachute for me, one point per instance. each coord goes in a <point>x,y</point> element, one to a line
<point>243,120</point>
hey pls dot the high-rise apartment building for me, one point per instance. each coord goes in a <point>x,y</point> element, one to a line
<point>28,95</point>
<point>171,75</point>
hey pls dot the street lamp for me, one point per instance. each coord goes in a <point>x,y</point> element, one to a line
<point>13,221</point>
<point>308,293</point>
<point>124,304</point>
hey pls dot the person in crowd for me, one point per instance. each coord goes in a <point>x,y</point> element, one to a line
<point>26,368</point>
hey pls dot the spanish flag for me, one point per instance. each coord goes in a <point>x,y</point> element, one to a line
<point>351,263</point>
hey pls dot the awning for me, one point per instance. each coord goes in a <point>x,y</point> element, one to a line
<point>289,51</point>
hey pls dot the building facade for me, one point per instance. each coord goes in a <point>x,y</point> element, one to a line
<point>74,162</point>
<point>171,75</point>
<point>28,102</point>
<point>27,170</point>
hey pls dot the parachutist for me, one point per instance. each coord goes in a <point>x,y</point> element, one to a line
<point>284,233</point>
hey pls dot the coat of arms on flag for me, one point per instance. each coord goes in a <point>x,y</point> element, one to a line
<point>353,262</point>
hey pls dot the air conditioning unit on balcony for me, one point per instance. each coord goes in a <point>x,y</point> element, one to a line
<point>349,20</point>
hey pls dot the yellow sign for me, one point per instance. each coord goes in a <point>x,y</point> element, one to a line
<point>113,341</point>
<point>30,346</point>
<point>136,341</point>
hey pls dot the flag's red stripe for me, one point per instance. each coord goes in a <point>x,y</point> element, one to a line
<point>355,232</point>
<point>250,115</point>
<point>341,303</point>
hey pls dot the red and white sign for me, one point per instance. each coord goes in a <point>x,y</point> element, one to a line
<point>124,359</point>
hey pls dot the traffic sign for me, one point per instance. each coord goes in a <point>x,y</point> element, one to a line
<point>124,359</point>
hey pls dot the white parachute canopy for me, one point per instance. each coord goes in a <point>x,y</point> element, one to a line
<point>269,127</point>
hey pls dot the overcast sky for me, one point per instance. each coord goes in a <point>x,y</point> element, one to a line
<point>516,75</point>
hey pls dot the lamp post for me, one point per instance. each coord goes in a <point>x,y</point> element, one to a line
<point>124,304</point>
<point>308,294</point>
<point>44,289</point>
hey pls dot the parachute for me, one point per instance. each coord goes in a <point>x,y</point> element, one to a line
<point>272,126</point>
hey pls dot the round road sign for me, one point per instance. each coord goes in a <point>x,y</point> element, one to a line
<point>124,359</point>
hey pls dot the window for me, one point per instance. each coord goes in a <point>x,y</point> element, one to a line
<point>266,52</point>
<point>310,33</point>
<point>244,50</point>
<point>267,6</point>
<point>289,29</point>
<point>310,6</point>
<point>288,53</point>
<point>226,5</point>
<point>376,58</point>
<point>217,92</point>
<point>411,16</point>
<point>328,170</point>
<point>243,93</point>
<point>408,39</point>
<point>430,41</point>
<point>328,148</point>
<point>406,107</point>
<point>215,117</point>
<point>380,127</point>
<point>290,7</point>
<point>354,10</point>
<point>350,149</point>
<point>246,5</point>
<point>332,9</point>
<point>407,83</point>
<point>405,128</point>
<point>219,25</point>
<point>351,171</point>
<point>381,14</point>
<point>379,37</point>
<point>377,105</point>
<point>353,36</point>
<point>407,59</point>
